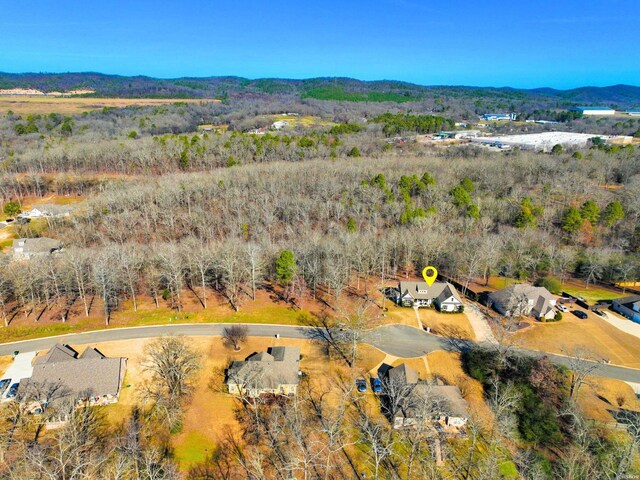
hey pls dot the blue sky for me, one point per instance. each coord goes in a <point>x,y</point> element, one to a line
<point>519,43</point>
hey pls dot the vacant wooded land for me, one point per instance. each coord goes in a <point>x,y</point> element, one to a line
<point>158,211</point>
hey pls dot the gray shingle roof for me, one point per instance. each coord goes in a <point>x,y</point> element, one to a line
<point>403,374</point>
<point>32,246</point>
<point>628,301</point>
<point>267,370</point>
<point>89,375</point>
<point>58,353</point>
<point>507,295</point>
<point>436,290</point>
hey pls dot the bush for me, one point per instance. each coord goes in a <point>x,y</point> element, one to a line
<point>550,283</point>
<point>480,363</point>
<point>354,152</point>
<point>558,317</point>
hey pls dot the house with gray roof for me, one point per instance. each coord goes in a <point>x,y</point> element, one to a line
<point>49,210</point>
<point>523,299</point>
<point>88,377</point>
<point>27,248</point>
<point>442,295</point>
<point>628,307</point>
<point>403,374</point>
<point>430,402</point>
<point>276,372</point>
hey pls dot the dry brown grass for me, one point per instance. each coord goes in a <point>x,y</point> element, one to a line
<point>5,361</point>
<point>600,396</point>
<point>440,323</point>
<point>210,414</point>
<point>24,105</point>
<point>592,334</point>
<point>448,367</point>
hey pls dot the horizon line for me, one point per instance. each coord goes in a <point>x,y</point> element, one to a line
<point>337,77</point>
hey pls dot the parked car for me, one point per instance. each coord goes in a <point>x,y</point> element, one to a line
<point>580,314</point>
<point>600,313</point>
<point>13,390</point>
<point>361,385</point>
<point>562,308</point>
<point>376,385</point>
<point>4,383</point>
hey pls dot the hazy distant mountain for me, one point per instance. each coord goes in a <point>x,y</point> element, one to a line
<point>340,89</point>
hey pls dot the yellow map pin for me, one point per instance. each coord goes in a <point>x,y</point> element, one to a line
<point>429,274</point>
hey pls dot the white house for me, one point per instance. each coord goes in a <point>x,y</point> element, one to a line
<point>523,299</point>
<point>280,124</point>
<point>442,295</point>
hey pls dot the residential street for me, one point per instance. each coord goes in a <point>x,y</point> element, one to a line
<point>397,340</point>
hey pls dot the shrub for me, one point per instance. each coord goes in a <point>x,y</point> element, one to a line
<point>354,152</point>
<point>550,283</point>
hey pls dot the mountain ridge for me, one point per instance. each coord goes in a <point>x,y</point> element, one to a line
<point>321,88</point>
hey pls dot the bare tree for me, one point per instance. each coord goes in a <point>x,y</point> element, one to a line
<point>235,335</point>
<point>582,364</point>
<point>172,365</point>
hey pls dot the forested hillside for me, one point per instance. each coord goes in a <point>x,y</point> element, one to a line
<point>338,89</point>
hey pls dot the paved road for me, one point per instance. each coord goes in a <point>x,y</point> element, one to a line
<point>396,340</point>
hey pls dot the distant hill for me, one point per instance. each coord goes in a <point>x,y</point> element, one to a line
<point>338,89</point>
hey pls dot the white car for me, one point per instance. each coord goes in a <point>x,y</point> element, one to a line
<point>562,308</point>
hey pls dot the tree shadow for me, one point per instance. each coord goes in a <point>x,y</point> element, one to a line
<point>455,338</point>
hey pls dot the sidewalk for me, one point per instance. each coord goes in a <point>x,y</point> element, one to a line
<point>479,324</point>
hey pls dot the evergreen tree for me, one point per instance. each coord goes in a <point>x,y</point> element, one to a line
<point>590,211</point>
<point>286,267</point>
<point>612,214</point>
<point>572,221</point>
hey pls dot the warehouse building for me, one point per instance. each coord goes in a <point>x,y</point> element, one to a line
<point>594,110</point>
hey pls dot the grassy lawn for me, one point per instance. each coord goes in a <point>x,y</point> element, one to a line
<point>26,332</point>
<point>593,335</point>
<point>592,294</point>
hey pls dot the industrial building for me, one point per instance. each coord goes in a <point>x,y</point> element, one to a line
<point>499,116</point>
<point>633,113</point>
<point>594,110</point>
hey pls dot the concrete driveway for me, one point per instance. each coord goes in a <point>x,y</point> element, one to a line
<point>20,368</point>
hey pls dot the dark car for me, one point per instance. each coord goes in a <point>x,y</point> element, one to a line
<point>3,385</point>
<point>361,385</point>
<point>580,314</point>
<point>376,385</point>
<point>13,390</point>
<point>599,312</point>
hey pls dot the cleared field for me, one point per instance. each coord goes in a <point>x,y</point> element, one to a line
<point>302,120</point>
<point>24,105</point>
